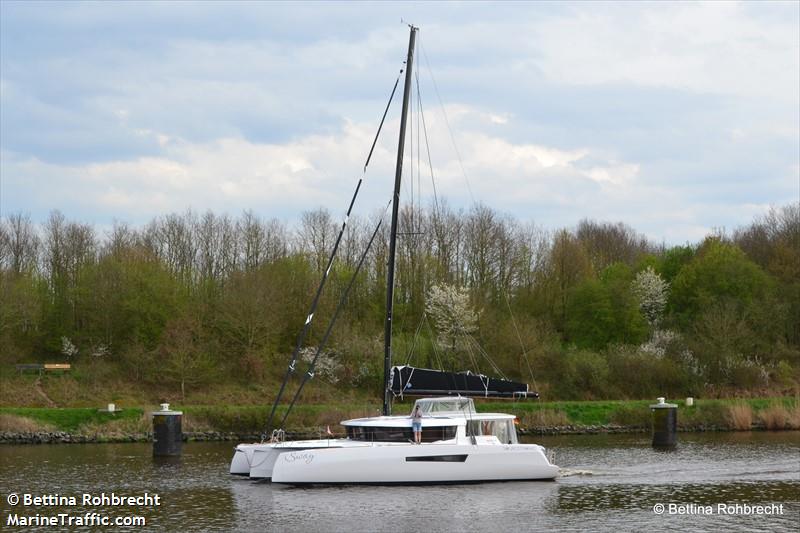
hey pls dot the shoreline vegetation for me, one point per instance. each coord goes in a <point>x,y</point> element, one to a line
<point>204,309</point>
<point>38,425</point>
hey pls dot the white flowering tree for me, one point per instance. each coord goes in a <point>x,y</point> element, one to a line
<point>326,365</point>
<point>652,292</point>
<point>452,314</point>
<point>67,348</point>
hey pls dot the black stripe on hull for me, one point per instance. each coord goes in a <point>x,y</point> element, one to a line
<point>438,458</point>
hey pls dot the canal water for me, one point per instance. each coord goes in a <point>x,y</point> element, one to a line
<point>710,482</point>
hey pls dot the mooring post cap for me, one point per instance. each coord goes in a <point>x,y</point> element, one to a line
<point>165,410</point>
<point>662,404</point>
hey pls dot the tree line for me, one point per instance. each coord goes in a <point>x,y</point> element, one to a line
<point>594,311</point>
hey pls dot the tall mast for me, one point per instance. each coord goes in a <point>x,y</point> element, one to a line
<point>387,332</point>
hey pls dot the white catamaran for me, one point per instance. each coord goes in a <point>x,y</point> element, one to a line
<point>459,445</point>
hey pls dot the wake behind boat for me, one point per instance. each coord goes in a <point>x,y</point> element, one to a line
<point>458,444</point>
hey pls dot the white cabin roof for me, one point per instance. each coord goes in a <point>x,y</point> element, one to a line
<point>446,411</point>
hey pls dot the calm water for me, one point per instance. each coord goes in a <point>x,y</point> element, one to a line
<point>610,483</point>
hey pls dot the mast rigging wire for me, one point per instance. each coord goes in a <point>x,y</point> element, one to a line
<point>447,122</point>
<point>310,372</point>
<point>309,318</point>
<point>383,118</point>
<point>428,148</point>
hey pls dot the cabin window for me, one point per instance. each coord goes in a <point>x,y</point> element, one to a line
<point>450,405</point>
<point>399,434</point>
<point>504,430</point>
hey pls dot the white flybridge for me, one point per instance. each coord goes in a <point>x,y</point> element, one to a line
<point>458,445</point>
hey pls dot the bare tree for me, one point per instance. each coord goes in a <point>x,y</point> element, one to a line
<point>206,235</point>
<point>448,231</point>
<point>276,240</point>
<point>120,240</point>
<point>19,243</point>
<point>611,243</point>
<point>533,252</point>
<point>252,237</point>
<point>54,247</point>
<point>316,236</point>
<point>176,246</point>
<point>778,227</point>
<point>481,231</point>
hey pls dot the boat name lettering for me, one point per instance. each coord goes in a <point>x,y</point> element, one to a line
<point>291,457</point>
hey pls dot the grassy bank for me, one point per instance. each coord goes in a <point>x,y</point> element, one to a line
<point>70,419</point>
<point>726,414</point>
<point>716,413</point>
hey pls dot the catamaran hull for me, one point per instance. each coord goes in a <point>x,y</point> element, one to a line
<point>256,460</point>
<point>414,464</point>
<point>243,458</point>
<point>263,461</point>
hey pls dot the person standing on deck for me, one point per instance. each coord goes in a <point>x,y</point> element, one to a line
<point>416,424</point>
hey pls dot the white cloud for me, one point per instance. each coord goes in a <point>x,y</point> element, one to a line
<point>715,47</point>
<point>280,121</point>
<point>306,172</point>
<point>551,185</point>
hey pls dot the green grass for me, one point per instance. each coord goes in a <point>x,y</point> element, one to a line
<point>252,419</point>
<point>311,417</point>
<point>583,413</point>
<point>635,412</point>
<point>71,418</point>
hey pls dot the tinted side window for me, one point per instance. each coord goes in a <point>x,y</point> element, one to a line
<point>399,434</point>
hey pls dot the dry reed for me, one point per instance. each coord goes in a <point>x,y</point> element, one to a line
<point>22,424</point>
<point>740,417</point>
<point>779,416</point>
<point>544,418</point>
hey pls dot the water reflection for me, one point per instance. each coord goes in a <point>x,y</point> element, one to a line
<point>603,497</point>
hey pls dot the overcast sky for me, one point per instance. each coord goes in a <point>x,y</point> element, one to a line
<point>674,118</point>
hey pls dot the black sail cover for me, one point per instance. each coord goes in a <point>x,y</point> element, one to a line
<point>426,382</point>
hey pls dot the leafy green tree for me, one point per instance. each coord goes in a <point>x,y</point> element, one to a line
<point>590,317</point>
<point>673,260</point>
<point>21,300</point>
<point>605,310</point>
<point>587,373</point>
<point>719,272</point>
<point>631,325</point>
<point>733,312</point>
<point>567,266</point>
